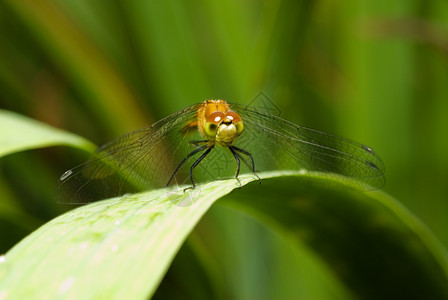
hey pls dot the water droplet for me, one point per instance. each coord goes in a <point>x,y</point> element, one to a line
<point>372,165</point>
<point>2,259</point>
<point>367,148</point>
<point>117,222</point>
<point>65,175</point>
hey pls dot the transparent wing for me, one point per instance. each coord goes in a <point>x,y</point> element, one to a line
<point>277,144</point>
<point>147,158</point>
<point>134,162</point>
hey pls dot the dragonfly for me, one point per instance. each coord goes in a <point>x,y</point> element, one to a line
<point>199,144</point>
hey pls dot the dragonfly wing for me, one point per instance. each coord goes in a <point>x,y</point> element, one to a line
<point>131,163</point>
<point>279,144</point>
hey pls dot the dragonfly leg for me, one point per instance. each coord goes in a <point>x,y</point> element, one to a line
<point>198,161</point>
<point>252,167</point>
<point>237,158</point>
<point>184,160</point>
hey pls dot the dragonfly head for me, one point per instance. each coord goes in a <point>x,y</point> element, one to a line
<point>223,128</point>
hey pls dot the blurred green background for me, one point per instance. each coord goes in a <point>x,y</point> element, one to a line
<point>374,71</point>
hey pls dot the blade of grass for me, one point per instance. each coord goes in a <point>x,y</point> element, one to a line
<point>138,236</point>
<point>162,44</point>
<point>18,133</point>
<point>121,248</point>
<point>80,59</point>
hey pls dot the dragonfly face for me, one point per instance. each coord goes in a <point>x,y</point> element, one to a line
<point>217,123</point>
<point>170,150</point>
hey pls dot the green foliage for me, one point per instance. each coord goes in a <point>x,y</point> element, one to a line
<point>139,235</point>
<point>369,241</point>
<point>20,133</point>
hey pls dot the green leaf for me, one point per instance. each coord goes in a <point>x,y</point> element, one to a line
<point>121,248</point>
<point>369,240</point>
<point>18,133</point>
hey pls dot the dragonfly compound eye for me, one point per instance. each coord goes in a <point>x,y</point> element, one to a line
<point>212,123</point>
